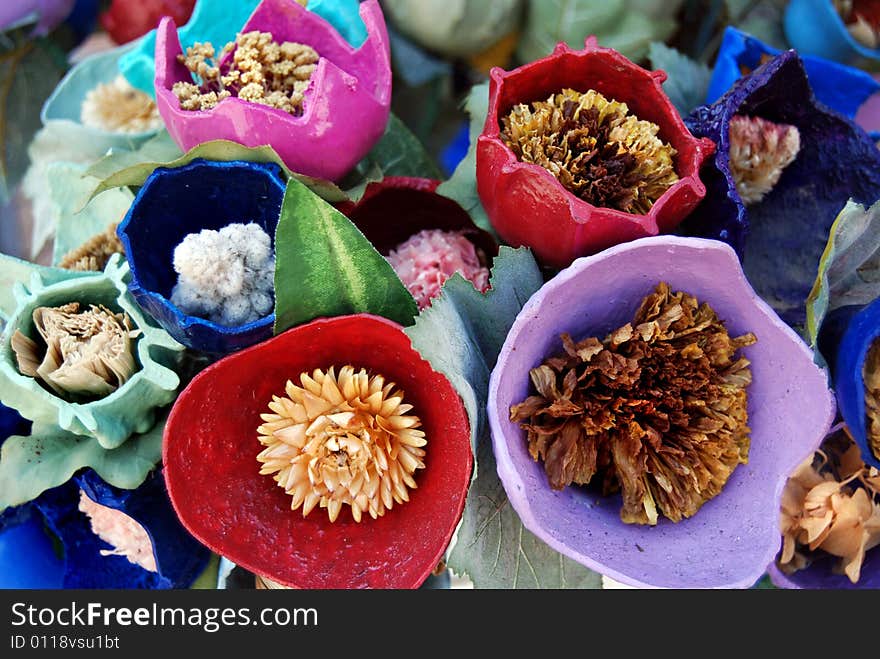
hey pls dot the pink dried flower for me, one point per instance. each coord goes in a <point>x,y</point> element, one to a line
<point>427,259</point>
<point>759,151</point>
<point>114,527</point>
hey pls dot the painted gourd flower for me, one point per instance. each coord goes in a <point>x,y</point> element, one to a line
<point>654,175</point>
<point>842,88</point>
<point>201,200</point>
<point>213,458</point>
<point>126,20</point>
<point>343,101</point>
<point>764,195</point>
<point>733,536</point>
<point>82,369</point>
<point>108,538</point>
<point>431,236</point>
<point>830,520</point>
<point>49,13</point>
<point>857,381</point>
<point>832,29</point>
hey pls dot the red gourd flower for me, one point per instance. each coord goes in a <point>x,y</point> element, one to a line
<point>213,474</point>
<point>529,205</point>
<point>126,20</point>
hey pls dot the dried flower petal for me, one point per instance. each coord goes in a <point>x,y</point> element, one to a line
<point>427,259</point>
<point>261,71</point>
<point>93,254</point>
<point>871,376</point>
<point>342,441</point>
<point>118,107</point>
<point>759,151</point>
<point>658,409</point>
<point>831,505</point>
<point>594,147</point>
<point>114,527</point>
<point>88,353</point>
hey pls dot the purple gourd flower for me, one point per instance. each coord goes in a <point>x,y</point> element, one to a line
<point>49,13</point>
<point>733,537</point>
<point>345,108</point>
<point>781,237</point>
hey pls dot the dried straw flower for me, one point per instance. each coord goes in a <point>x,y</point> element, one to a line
<point>124,534</point>
<point>118,107</point>
<point>871,377</point>
<point>427,259</point>
<point>658,409</point>
<point>862,19</point>
<point>93,254</point>
<point>261,71</point>
<point>831,504</point>
<point>594,147</point>
<point>342,441</point>
<point>759,151</point>
<point>84,354</point>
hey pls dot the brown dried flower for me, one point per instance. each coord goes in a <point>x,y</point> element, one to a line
<point>84,354</point>
<point>261,71</point>
<point>594,147</point>
<point>871,377</point>
<point>117,106</point>
<point>831,504</point>
<point>93,254</point>
<point>759,151</point>
<point>658,409</point>
<point>342,441</point>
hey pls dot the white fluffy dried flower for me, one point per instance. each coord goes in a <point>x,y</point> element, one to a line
<point>226,276</point>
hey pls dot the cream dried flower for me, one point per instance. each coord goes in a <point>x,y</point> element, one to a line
<point>93,254</point>
<point>759,151</point>
<point>118,107</point>
<point>342,441</point>
<point>871,377</point>
<point>124,534</point>
<point>87,353</point>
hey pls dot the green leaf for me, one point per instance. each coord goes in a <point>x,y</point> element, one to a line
<point>326,267</point>
<point>849,270</point>
<point>397,153</point>
<point>49,457</point>
<point>550,21</point>
<point>28,74</point>
<point>495,550</point>
<point>69,189</point>
<point>462,185</point>
<point>462,332</point>
<point>207,580</point>
<point>131,168</point>
<point>687,82</point>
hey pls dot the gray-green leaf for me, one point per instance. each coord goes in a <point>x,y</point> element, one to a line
<point>687,80</point>
<point>326,267</point>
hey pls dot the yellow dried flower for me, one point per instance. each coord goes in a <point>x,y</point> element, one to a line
<point>871,377</point>
<point>261,71</point>
<point>93,254</point>
<point>594,147</point>
<point>117,106</point>
<point>759,151</point>
<point>342,441</point>
<point>88,353</point>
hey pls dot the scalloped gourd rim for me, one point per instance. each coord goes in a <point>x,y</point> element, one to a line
<point>513,482</point>
<point>369,12</point>
<point>185,320</point>
<point>151,338</point>
<point>581,209</point>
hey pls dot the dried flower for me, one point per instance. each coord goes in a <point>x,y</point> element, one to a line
<point>226,276</point>
<point>428,258</point>
<point>118,107</point>
<point>759,151</point>
<point>342,441</point>
<point>261,71</point>
<point>114,527</point>
<point>658,409</point>
<point>862,19</point>
<point>831,504</point>
<point>871,377</point>
<point>93,254</point>
<point>594,147</point>
<point>88,353</point>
